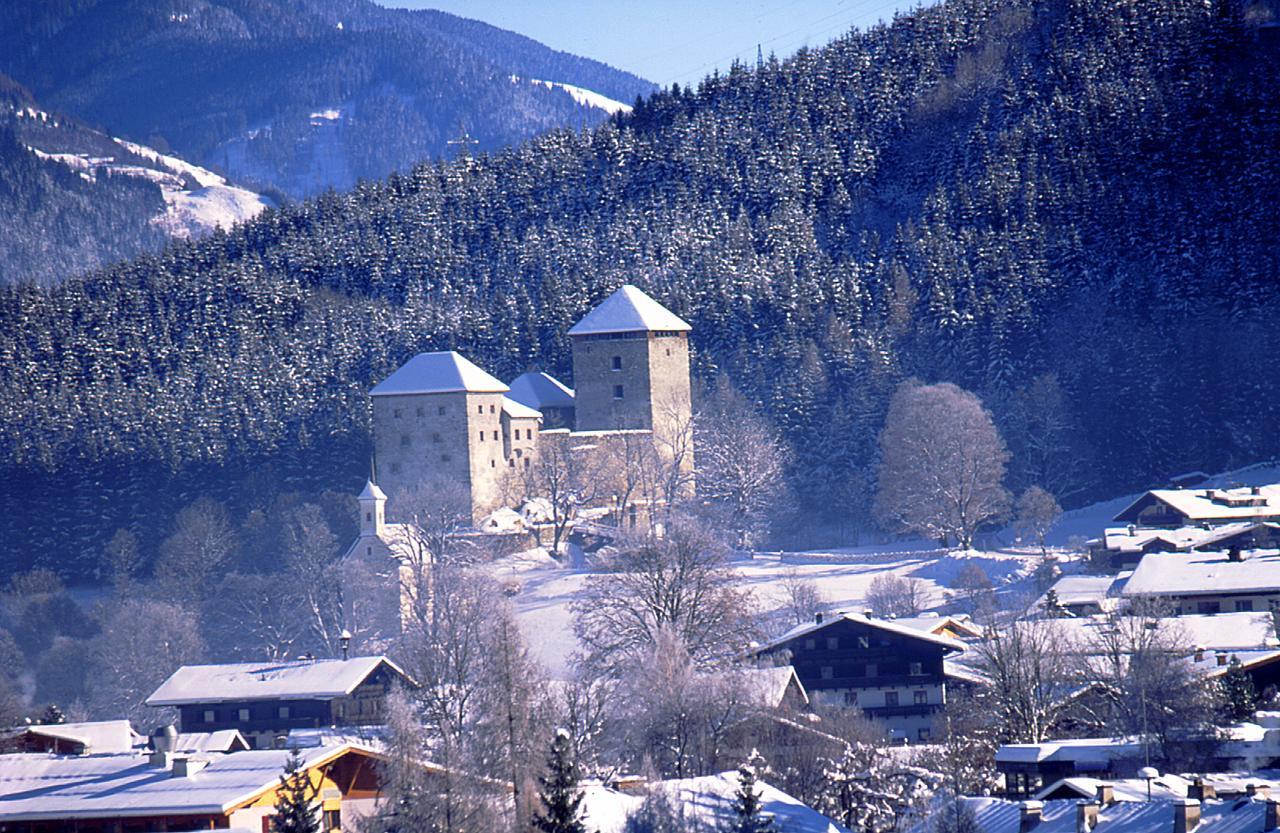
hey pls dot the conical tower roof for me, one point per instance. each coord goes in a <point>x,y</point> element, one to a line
<point>627,311</point>
<point>443,372</point>
<point>372,492</point>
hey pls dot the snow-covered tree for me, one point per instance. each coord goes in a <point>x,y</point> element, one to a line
<point>559,794</point>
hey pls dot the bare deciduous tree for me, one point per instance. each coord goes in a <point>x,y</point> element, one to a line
<point>433,515</point>
<point>568,478</point>
<point>1031,672</point>
<point>942,465</point>
<point>802,598</point>
<point>1037,512</point>
<point>201,545</point>
<point>741,461</point>
<point>678,583</point>
<point>894,595</point>
<point>142,642</point>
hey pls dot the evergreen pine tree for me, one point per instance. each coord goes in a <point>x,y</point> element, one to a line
<point>1239,695</point>
<point>296,810</point>
<point>560,796</point>
<point>750,817</point>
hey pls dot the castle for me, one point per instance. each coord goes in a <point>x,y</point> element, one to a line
<point>440,416</point>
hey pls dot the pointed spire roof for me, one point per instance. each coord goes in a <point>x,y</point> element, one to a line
<point>442,372</point>
<point>372,492</point>
<point>541,390</point>
<point>627,311</point>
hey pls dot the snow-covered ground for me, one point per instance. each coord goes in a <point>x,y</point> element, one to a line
<point>582,96</point>
<point>190,211</point>
<point>546,588</point>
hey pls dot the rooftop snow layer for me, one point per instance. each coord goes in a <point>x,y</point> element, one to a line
<point>515,409</point>
<point>629,310</point>
<point>442,372</point>
<point>540,390</point>
<point>883,624</point>
<point>321,679</point>
<point>1217,504</point>
<point>97,737</point>
<point>1204,573</point>
<point>35,787</point>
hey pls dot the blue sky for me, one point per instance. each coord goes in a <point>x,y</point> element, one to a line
<point>668,40</point>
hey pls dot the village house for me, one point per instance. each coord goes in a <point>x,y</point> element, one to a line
<point>265,700</point>
<point>131,791</point>
<point>1174,508</point>
<point>892,672</point>
<point>1124,546</point>
<point>94,737</point>
<point>1208,582</point>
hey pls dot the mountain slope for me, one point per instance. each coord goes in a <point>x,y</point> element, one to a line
<point>1064,205</point>
<point>75,199</point>
<point>234,84</point>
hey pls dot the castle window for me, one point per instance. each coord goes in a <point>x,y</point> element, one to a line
<point>517,433</point>
<point>396,413</point>
<point>617,362</point>
<point>491,409</point>
<point>481,436</point>
<point>444,458</point>
<point>405,441</point>
<point>395,468</point>
<point>368,516</point>
<point>422,412</point>
<point>511,463</point>
<point>435,438</point>
<point>519,452</point>
<point>479,409</point>
<point>617,391</point>
<point>440,411</point>
<point>495,435</point>
<point>493,464</point>
<point>526,462</point>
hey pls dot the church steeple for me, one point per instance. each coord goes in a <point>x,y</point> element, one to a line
<point>373,504</point>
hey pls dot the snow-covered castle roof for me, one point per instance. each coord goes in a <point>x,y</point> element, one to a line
<point>629,310</point>
<point>441,372</point>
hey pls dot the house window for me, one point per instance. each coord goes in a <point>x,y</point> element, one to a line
<point>851,698</point>
<point>871,669</point>
<point>1244,605</point>
<point>284,712</point>
<point>1209,607</point>
<point>921,697</point>
<point>833,643</point>
<point>827,672</point>
<point>332,820</point>
<point>863,642</point>
<point>891,698</point>
<point>617,391</point>
<point>923,733</point>
<point>210,716</point>
<point>810,644</point>
<point>617,362</point>
<point>916,669</point>
<point>244,715</point>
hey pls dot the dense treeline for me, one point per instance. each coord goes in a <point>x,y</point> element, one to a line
<point>232,84</point>
<point>1062,205</point>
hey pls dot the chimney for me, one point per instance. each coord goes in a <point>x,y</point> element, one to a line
<point>1234,554</point>
<point>186,767</point>
<point>1199,653</point>
<point>1106,795</point>
<point>1132,529</point>
<point>1271,819</point>
<point>817,618</point>
<point>1256,490</point>
<point>163,743</point>
<point>1086,816</point>
<point>1201,791</point>
<point>1029,815</point>
<point>1221,656</point>
<point>1186,815</point>
<point>1256,790</point>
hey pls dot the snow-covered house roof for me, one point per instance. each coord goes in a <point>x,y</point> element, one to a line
<point>707,802</point>
<point>321,679</point>
<point>1076,591</point>
<point>90,738</point>
<point>1204,574</point>
<point>516,410</point>
<point>541,390</point>
<point>1132,540</point>
<point>767,686</point>
<point>629,310</point>
<point>1084,753</point>
<point>49,787</point>
<point>223,740</point>
<point>890,625</point>
<point>442,372</point>
<point>1246,502</point>
<point>957,627</point>
<point>995,815</point>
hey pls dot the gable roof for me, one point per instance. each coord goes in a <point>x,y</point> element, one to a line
<point>541,390</point>
<point>442,372</point>
<point>48,787</point>
<point>1204,573</point>
<point>939,625</point>
<point>1212,504</point>
<point>321,679</point>
<point>95,737</point>
<point>995,815</point>
<point>882,624</point>
<point>512,408</point>
<point>629,310</point>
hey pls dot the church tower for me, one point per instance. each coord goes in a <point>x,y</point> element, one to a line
<point>631,366</point>
<point>373,509</point>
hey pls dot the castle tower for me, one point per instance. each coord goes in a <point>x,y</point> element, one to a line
<point>373,504</point>
<point>440,416</point>
<point>631,366</point>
